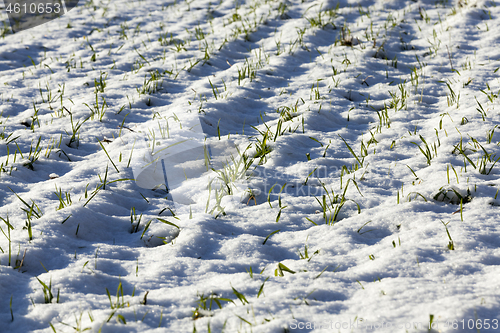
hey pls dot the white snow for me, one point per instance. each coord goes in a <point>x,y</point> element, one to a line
<point>369,202</point>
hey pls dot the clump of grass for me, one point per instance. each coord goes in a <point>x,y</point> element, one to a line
<point>118,304</point>
<point>332,203</point>
<point>101,84</point>
<point>64,200</point>
<point>482,163</point>
<point>230,172</point>
<point>281,269</point>
<point>358,160</point>
<point>450,195</point>
<point>75,129</point>
<point>485,159</point>
<point>205,304</point>
<point>34,154</point>
<point>249,70</point>
<point>262,147</point>
<point>32,211</point>
<point>306,255</point>
<point>96,110</point>
<point>345,37</point>
<point>451,245</point>
<point>224,183</point>
<point>427,151</point>
<point>7,235</point>
<point>151,85</point>
<point>134,221</point>
<point>47,292</point>
<point>463,151</point>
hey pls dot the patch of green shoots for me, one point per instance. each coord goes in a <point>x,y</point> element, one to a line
<point>47,292</point>
<point>281,269</point>
<point>332,203</point>
<point>64,200</point>
<point>7,235</point>
<point>451,245</point>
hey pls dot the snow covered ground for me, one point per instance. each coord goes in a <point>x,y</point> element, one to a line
<point>359,193</point>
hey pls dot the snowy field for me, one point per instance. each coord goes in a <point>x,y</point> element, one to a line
<point>351,178</point>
